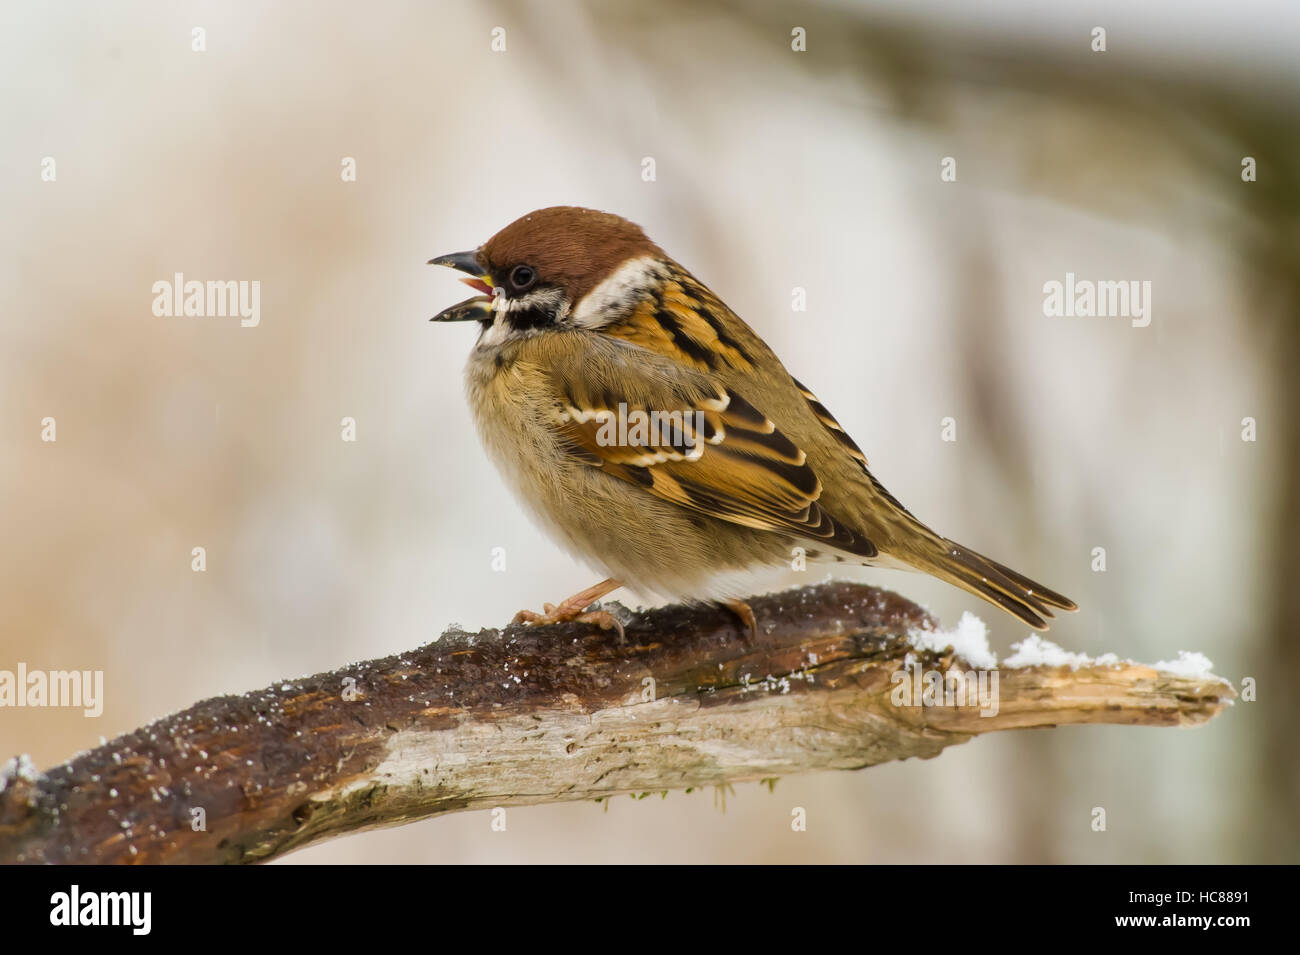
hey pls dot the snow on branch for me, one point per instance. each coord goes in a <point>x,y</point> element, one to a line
<point>841,676</point>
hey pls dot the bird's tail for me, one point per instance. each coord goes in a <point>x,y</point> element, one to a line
<point>998,584</point>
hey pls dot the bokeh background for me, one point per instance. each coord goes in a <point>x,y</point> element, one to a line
<point>775,169</point>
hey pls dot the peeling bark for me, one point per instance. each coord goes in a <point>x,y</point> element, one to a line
<point>548,714</point>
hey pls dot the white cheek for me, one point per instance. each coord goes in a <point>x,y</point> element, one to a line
<point>620,293</point>
<point>494,334</point>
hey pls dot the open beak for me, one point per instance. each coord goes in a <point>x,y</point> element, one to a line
<point>478,308</point>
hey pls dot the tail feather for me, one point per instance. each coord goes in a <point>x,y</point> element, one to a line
<point>1015,593</point>
<point>1047,596</point>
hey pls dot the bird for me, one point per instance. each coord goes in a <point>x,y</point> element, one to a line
<point>587,329</point>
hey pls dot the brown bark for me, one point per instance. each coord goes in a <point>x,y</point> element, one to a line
<point>533,715</point>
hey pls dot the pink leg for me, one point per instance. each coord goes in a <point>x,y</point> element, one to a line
<point>746,614</point>
<point>572,609</point>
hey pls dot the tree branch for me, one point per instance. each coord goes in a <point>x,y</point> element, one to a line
<point>534,715</point>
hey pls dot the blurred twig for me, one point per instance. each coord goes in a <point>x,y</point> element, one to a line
<point>534,715</point>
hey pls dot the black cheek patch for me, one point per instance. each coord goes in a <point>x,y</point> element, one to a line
<point>526,318</point>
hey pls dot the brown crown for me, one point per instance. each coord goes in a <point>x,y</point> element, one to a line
<point>570,247</point>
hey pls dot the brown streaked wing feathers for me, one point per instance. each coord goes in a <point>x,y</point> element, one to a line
<point>748,472</point>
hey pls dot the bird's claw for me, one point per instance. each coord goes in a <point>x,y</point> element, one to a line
<point>745,613</point>
<point>552,614</point>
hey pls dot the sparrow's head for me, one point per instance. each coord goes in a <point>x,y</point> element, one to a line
<point>558,265</point>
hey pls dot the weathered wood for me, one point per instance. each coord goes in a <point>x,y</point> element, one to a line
<point>533,715</point>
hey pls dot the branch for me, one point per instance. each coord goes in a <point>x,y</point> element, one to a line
<point>550,714</point>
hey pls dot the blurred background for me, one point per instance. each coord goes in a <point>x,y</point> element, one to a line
<point>775,169</point>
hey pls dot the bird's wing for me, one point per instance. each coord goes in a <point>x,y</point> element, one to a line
<point>684,437</point>
<point>828,422</point>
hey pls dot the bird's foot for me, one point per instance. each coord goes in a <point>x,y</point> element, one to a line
<point>602,618</point>
<point>575,609</point>
<point>746,615</point>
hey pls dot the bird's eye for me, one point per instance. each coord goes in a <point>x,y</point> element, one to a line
<point>522,277</point>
